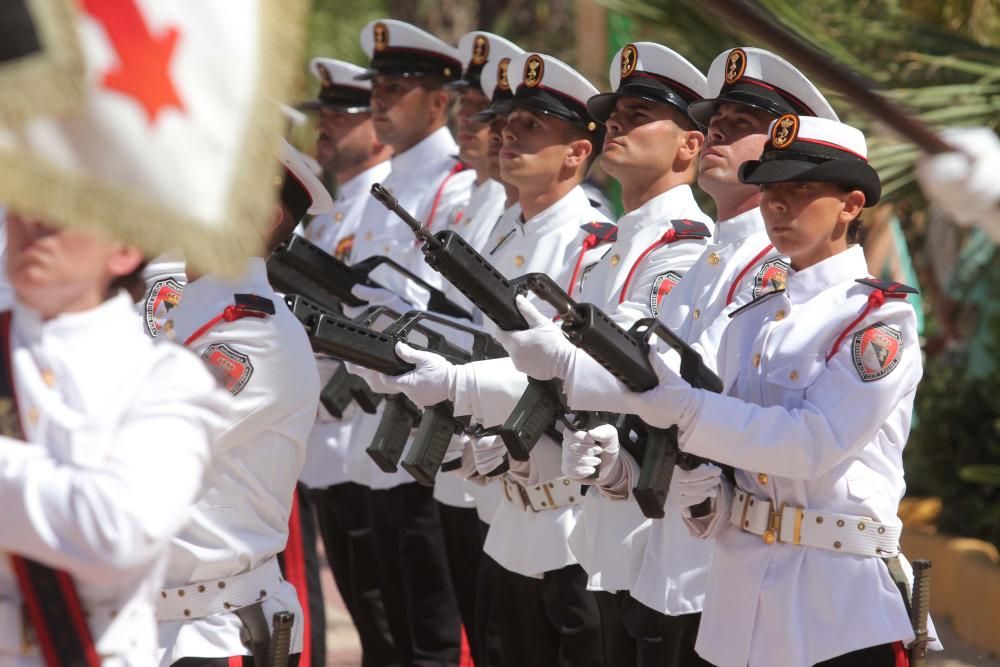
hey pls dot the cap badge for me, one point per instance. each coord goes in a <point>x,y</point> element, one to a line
<point>480,50</point>
<point>630,58</point>
<point>534,68</point>
<point>324,76</point>
<point>381,33</point>
<point>502,66</point>
<point>784,131</point>
<point>736,64</point>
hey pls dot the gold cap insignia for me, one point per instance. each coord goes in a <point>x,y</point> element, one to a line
<point>630,58</point>
<point>381,33</point>
<point>591,126</point>
<point>534,69</point>
<point>736,64</point>
<point>502,66</point>
<point>480,50</point>
<point>324,76</point>
<point>784,131</point>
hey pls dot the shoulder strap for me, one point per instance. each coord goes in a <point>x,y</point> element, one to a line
<point>51,602</point>
<point>244,305</point>
<point>606,232</point>
<point>883,289</point>
<point>690,229</point>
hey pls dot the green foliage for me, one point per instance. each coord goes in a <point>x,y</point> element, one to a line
<point>954,449</point>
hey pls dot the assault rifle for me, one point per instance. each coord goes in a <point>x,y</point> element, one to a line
<point>625,354</point>
<point>451,256</point>
<point>301,267</point>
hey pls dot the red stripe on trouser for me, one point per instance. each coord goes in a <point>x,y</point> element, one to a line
<point>295,573</point>
<point>902,657</point>
<point>236,661</point>
<point>465,657</point>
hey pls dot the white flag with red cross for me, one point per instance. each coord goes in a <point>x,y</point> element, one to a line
<point>172,142</point>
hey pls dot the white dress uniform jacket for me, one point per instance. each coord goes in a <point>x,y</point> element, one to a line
<point>636,271</point>
<point>241,521</point>
<point>119,434</point>
<point>820,427</point>
<point>522,540</point>
<point>334,231</point>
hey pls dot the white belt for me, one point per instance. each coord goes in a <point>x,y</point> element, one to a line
<point>842,533</point>
<point>539,497</point>
<point>218,596</point>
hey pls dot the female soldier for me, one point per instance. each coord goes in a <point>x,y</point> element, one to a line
<point>820,379</point>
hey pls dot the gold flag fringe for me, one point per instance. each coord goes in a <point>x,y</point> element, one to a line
<point>50,82</point>
<point>35,187</point>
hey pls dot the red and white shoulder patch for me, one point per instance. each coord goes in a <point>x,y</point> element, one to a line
<point>771,276</point>
<point>231,368</point>
<point>876,351</point>
<point>162,297</point>
<point>660,289</point>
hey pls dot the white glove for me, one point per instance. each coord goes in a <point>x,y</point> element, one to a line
<point>541,351</point>
<point>432,381</point>
<point>586,452</point>
<point>964,183</point>
<point>690,487</point>
<point>488,452</point>
<point>455,447</point>
<point>376,296</point>
<point>379,383</point>
<point>671,402</point>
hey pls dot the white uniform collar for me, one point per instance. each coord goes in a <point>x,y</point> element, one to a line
<point>842,267</point>
<point>662,207</point>
<point>737,228</point>
<point>433,147</point>
<point>76,329</point>
<point>358,186</point>
<point>565,210</point>
<point>212,288</point>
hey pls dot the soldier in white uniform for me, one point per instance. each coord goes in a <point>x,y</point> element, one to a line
<point>349,150</point>
<point>118,435</point>
<point>819,385</point>
<point>546,615</point>
<point>652,149</point>
<point>223,580</point>
<point>408,70</point>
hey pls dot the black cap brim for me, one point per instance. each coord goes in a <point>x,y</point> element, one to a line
<point>854,174</point>
<point>601,106</point>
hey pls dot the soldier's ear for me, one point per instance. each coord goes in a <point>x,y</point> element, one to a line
<point>578,153</point>
<point>690,145</point>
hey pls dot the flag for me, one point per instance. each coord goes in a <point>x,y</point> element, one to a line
<point>174,143</point>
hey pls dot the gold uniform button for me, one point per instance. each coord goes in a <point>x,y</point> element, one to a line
<point>756,361</point>
<point>615,259</point>
<point>519,261</point>
<point>770,536</point>
<point>385,250</point>
<point>780,315</point>
<point>762,478</point>
<point>33,416</point>
<point>696,314</point>
<point>713,258</point>
<point>339,216</point>
<point>48,377</point>
<point>794,375</point>
<point>368,236</point>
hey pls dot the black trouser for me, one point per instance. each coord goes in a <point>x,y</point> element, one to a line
<point>636,635</point>
<point>464,546</point>
<point>343,513</point>
<point>488,582</point>
<point>883,655</point>
<point>549,622</point>
<point>241,660</point>
<point>416,586</point>
<point>304,575</point>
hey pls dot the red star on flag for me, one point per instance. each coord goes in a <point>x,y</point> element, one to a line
<point>143,69</point>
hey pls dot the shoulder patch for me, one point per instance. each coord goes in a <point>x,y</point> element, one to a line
<point>162,298</point>
<point>890,287</point>
<point>231,368</point>
<point>690,229</point>
<point>660,289</point>
<point>876,351</point>
<point>254,303</point>
<point>606,232</point>
<point>770,277</point>
<point>761,299</point>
